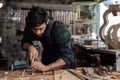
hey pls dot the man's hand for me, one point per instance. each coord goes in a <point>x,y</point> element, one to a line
<point>39,66</point>
<point>33,53</point>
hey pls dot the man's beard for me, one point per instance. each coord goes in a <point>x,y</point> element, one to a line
<point>40,35</point>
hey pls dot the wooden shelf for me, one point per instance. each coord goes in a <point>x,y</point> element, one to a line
<point>85,3</point>
<point>86,21</point>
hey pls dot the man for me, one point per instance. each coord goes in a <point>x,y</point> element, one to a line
<point>55,38</point>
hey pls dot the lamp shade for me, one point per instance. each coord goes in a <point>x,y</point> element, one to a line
<point>1,5</point>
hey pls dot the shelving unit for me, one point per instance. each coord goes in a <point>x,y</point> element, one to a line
<point>86,23</point>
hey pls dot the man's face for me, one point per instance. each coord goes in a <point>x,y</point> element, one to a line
<point>39,30</point>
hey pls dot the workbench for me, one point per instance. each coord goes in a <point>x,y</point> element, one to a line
<point>16,75</point>
<point>84,53</point>
<point>53,75</point>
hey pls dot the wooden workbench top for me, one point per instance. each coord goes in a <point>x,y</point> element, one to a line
<point>59,75</point>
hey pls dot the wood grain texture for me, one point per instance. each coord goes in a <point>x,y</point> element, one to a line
<point>59,75</point>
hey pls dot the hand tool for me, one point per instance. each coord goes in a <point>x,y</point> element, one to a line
<point>87,73</point>
<point>37,44</point>
<point>79,75</point>
<point>101,70</point>
<point>28,70</point>
<point>33,71</point>
<point>98,71</point>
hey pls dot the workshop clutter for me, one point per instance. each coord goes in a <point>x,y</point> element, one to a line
<point>13,53</point>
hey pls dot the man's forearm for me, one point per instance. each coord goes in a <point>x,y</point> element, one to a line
<point>57,64</point>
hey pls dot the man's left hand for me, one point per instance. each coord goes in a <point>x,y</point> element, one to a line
<point>39,66</point>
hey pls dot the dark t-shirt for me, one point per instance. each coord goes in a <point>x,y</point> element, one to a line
<point>56,42</point>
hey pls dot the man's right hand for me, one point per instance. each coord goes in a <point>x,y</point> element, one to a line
<point>32,52</point>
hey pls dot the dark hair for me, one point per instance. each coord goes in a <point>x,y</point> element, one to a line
<point>36,16</point>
